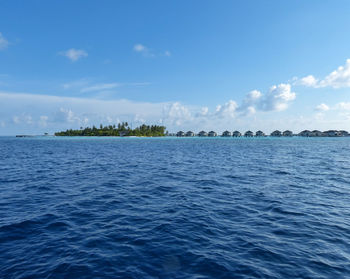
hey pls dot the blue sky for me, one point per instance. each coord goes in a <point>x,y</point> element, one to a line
<point>185,64</point>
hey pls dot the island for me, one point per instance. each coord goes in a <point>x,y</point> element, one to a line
<point>122,129</point>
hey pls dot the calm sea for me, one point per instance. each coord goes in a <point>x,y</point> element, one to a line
<point>174,208</point>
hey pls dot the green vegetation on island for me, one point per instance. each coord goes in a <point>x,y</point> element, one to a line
<point>122,129</point>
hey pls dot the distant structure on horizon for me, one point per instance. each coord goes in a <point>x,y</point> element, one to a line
<point>276,133</point>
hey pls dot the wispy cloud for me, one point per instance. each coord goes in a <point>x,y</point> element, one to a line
<point>74,54</point>
<point>140,48</point>
<point>3,42</point>
<point>343,106</point>
<point>322,107</point>
<point>147,52</point>
<point>85,85</point>
<point>167,53</point>
<point>100,87</point>
<point>76,84</point>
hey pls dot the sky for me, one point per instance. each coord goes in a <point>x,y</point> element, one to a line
<point>186,64</point>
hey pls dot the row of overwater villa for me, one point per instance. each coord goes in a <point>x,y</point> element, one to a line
<point>277,133</point>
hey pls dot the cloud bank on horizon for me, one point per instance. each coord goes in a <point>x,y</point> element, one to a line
<point>56,112</point>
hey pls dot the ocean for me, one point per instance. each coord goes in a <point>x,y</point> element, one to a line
<point>174,207</point>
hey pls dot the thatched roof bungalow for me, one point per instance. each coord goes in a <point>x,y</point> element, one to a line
<point>249,134</point>
<point>343,133</point>
<point>276,134</point>
<point>226,134</point>
<point>180,134</point>
<point>212,134</point>
<point>236,134</point>
<point>317,133</point>
<point>305,133</point>
<point>202,134</point>
<point>287,133</point>
<point>332,133</point>
<point>260,134</point>
<point>189,134</point>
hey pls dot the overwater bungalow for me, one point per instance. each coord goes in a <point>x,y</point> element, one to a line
<point>249,134</point>
<point>287,133</point>
<point>226,134</point>
<point>212,134</point>
<point>276,134</point>
<point>331,133</point>
<point>189,134</point>
<point>260,134</point>
<point>316,133</point>
<point>180,134</point>
<point>305,133</point>
<point>202,134</point>
<point>343,133</point>
<point>236,134</point>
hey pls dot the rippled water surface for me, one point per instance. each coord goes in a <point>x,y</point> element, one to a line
<point>174,208</point>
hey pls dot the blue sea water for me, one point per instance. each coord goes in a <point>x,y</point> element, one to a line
<point>174,208</point>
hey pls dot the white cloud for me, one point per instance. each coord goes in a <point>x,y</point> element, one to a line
<point>147,52</point>
<point>140,48</point>
<point>139,120</point>
<point>203,111</point>
<point>3,42</point>
<point>52,114</point>
<point>87,85</point>
<point>43,120</point>
<point>309,81</point>
<point>28,119</point>
<point>23,118</point>
<point>250,102</point>
<point>65,112</point>
<point>342,106</point>
<point>99,87</point>
<point>16,119</point>
<point>339,78</point>
<point>76,84</point>
<point>322,107</point>
<point>277,99</point>
<point>177,113</point>
<point>227,110</point>
<point>74,54</point>
<point>65,115</point>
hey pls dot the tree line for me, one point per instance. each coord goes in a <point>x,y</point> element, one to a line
<point>122,129</point>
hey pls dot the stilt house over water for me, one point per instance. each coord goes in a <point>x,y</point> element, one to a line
<point>180,134</point>
<point>189,134</point>
<point>236,134</point>
<point>249,134</point>
<point>276,133</point>
<point>260,134</point>
<point>226,134</point>
<point>305,133</point>
<point>287,133</point>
